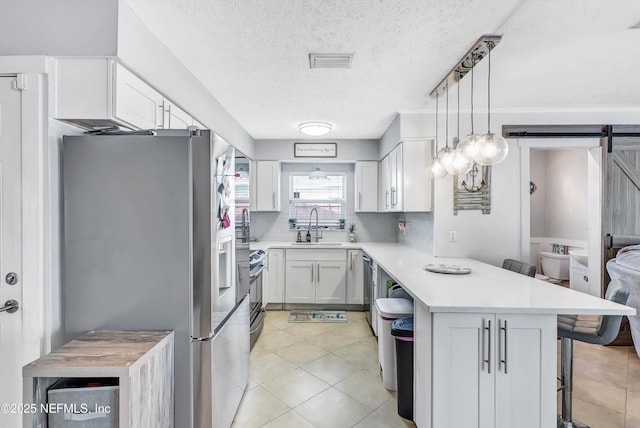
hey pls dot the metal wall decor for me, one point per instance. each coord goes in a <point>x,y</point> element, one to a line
<point>472,191</point>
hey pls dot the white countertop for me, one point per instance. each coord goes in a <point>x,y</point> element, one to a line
<point>487,289</point>
<point>264,245</point>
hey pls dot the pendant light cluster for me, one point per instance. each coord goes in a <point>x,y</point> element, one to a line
<point>487,149</point>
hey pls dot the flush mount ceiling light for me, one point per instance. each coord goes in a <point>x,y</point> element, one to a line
<point>318,174</point>
<point>315,128</point>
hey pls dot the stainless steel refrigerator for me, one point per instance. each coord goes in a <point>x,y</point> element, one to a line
<point>149,244</point>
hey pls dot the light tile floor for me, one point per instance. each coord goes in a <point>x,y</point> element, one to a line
<point>326,375</point>
<point>606,385</point>
<point>317,375</point>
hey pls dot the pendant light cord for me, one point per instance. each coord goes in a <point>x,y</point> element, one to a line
<point>437,96</point>
<point>473,65</point>
<point>489,92</point>
<point>446,123</point>
<point>458,125</point>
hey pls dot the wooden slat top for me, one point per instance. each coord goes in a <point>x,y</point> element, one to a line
<point>99,350</point>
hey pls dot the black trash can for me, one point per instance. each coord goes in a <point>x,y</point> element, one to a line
<point>402,330</point>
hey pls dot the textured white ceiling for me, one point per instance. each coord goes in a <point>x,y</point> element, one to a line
<point>253,55</point>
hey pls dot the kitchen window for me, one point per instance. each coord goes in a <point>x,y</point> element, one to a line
<point>329,196</point>
<point>241,199</point>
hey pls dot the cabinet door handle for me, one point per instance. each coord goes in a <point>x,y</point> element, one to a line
<point>503,361</point>
<point>318,276</point>
<point>359,200</point>
<point>351,264</point>
<point>273,200</point>
<point>486,332</point>
<point>386,199</point>
<point>311,273</point>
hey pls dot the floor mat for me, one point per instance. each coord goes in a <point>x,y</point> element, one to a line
<point>317,316</point>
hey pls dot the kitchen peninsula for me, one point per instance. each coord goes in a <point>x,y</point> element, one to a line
<point>485,343</point>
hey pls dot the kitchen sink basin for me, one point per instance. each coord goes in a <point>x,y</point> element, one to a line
<point>316,243</point>
<point>580,256</point>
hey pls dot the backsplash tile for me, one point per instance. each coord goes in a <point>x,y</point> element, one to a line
<point>419,231</point>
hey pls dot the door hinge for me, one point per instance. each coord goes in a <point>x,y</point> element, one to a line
<point>20,84</point>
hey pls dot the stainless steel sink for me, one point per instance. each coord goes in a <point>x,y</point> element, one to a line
<point>317,243</point>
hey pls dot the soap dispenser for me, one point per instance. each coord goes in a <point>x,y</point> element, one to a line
<point>308,236</point>
<point>299,237</point>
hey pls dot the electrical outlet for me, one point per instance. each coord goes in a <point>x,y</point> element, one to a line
<point>452,236</point>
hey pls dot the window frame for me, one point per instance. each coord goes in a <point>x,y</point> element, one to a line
<point>333,225</point>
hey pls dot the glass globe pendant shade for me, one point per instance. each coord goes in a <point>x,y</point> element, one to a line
<point>445,155</point>
<point>491,149</point>
<point>468,144</point>
<point>436,170</point>
<point>460,163</point>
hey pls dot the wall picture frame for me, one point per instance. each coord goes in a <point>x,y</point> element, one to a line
<point>315,150</point>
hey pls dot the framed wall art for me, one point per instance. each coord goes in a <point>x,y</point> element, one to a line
<point>315,150</point>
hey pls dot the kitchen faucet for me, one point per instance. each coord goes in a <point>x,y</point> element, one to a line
<point>244,225</point>
<point>318,236</point>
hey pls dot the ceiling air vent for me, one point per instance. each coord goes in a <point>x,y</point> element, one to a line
<point>330,60</point>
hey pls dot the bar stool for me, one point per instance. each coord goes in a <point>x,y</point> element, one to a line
<point>596,329</point>
<point>520,267</point>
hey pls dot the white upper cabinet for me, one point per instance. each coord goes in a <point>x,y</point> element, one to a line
<point>266,182</point>
<point>366,186</point>
<point>135,102</point>
<point>98,92</point>
<point>404,185</point>
<point>175,117</point>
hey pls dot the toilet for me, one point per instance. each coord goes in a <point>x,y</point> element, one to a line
<point>555,265</point>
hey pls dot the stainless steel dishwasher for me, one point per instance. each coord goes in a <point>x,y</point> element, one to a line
<point>368,285</point>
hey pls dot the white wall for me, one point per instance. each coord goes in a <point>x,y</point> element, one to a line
<point>349,150</point>
<point>60,27</point>
<point>267,226</point>
<point>539,197</point>
<point>567,194</point>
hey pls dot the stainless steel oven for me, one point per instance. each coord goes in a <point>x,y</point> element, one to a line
<point>257,315</point>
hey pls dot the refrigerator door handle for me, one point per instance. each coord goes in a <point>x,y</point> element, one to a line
<point>217,331</point>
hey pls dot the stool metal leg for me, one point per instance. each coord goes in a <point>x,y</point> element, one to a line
<point>566,380</point>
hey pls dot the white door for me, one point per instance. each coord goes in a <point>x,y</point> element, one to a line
<point>526,370</point>
<point>300,282</point>
<point>10,250</point>
<point>355,272</point>
<point>331,285</point>
<point>366,186</point>
<point>463,370</point>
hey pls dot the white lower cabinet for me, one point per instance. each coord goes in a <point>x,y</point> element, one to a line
<point>273,277</point>
<point>493,370</point>
<point>300,281</point>
<point>355,272</point>
<point>315,276</point>
<point>579,279</point>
